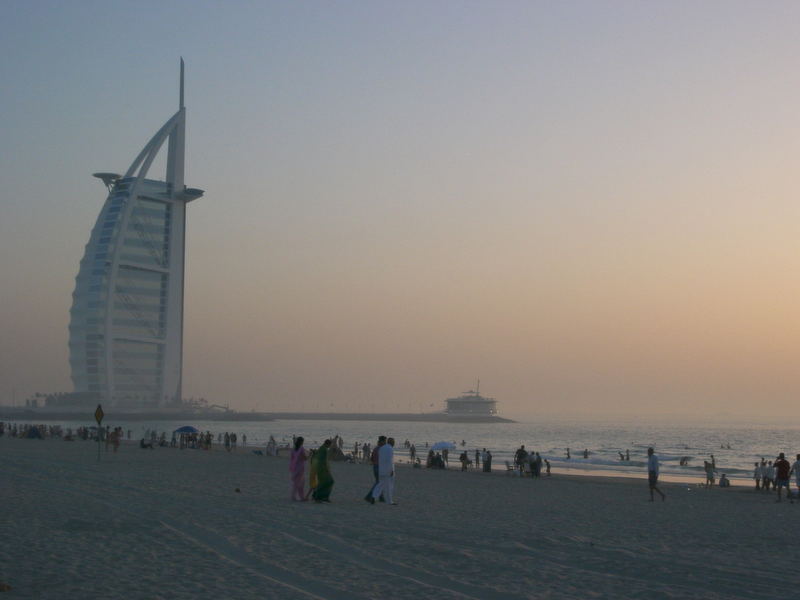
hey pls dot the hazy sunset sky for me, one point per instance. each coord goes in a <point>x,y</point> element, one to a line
<point>590,206</point>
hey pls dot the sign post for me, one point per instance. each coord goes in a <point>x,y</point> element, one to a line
<point>98,416</point>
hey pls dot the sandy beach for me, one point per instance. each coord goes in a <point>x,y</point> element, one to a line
<point>168,523</point>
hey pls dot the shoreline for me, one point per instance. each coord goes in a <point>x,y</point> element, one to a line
<point>38,415</point>
<point>692,478</point>
<point>600,475</point>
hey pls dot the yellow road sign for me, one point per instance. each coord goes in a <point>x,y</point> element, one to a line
<point>99,414</point>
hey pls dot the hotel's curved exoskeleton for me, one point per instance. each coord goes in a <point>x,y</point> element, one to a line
<point>126,321</point>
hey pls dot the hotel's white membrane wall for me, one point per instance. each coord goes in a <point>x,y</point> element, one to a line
<point>138,308</point>
<point>126,321</point>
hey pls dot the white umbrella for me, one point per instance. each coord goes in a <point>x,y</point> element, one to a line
<point>443,446</point>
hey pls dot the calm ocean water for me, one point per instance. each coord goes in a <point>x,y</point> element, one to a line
<point>736,446</point>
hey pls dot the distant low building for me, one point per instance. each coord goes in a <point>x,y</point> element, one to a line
<point>471,403</point>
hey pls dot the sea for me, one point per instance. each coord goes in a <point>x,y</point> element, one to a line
<point>735,444</point>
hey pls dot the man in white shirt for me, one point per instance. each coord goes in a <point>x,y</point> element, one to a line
<point>796,471</point>
<point>385,473</point>
<point>652,474</point>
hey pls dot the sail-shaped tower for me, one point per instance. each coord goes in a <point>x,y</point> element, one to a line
<point>126,320</point>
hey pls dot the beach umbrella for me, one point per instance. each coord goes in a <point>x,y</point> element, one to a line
<point>443,446</point>
<point>187,429</point>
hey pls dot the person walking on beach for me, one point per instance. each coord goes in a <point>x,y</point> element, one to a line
<point>782,470</point>
<point>323,472</point>
<point>297,469</point>
<point>374,460</point>
<point>487,464</point>
<point>652,474</point>
<point>757,475</point>
<point>385,473</point>
<point>477,459</point>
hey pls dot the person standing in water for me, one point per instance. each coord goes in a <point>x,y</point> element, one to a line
<point>652,474</point>
<point>297,469</point>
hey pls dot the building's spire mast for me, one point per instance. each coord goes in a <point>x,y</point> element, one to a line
<point>175,153</point>
<point>181,101</point>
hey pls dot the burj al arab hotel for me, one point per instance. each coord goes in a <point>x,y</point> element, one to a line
<point>126,320</point>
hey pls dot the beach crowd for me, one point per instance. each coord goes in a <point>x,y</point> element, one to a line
<point>314,464</point>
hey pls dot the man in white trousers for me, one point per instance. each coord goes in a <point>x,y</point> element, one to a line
<point>385,473</point>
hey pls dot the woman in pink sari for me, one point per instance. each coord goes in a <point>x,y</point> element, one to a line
<point>297,467</point>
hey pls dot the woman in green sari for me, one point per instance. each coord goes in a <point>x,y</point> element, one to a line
<point>324,479</point>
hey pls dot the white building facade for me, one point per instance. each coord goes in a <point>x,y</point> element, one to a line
<point>126,320</point>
